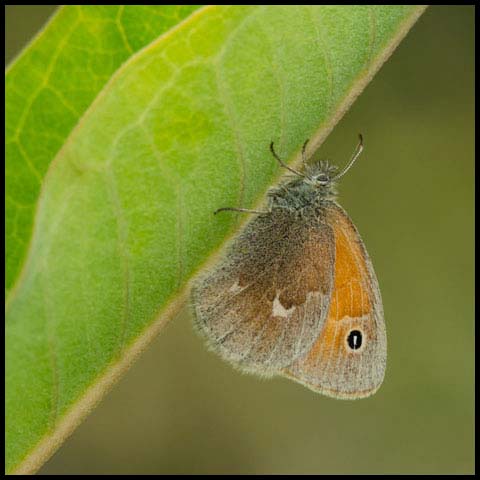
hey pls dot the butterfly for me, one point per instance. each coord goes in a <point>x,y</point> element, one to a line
<point>295,293</point>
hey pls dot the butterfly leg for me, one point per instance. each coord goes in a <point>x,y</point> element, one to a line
<point>304,157</point>
<point>233,209</point>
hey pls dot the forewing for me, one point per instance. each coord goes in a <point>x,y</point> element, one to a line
<point>265,303</point>
<point>331,366</point>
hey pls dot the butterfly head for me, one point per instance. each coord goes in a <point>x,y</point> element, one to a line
<point>314,186</point>
<point>311,187</point>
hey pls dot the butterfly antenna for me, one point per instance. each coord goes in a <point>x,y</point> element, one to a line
<point>355,155</point>
<point>283,164</point>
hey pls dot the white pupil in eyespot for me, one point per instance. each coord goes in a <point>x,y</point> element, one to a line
<point>354,339</point>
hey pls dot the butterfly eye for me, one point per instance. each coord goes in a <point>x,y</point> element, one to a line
<point>354,339</point>
<point>322,179</point>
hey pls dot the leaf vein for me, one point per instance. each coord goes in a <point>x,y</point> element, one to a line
<point>328,63</point>
<point>122,233</point>
<point>121,29</point>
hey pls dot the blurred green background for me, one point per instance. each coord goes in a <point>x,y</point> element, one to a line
<point>181,410</point>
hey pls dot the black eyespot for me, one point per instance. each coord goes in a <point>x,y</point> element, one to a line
<point>354,339</point>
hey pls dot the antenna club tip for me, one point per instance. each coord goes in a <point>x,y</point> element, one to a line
<point>360,136</point>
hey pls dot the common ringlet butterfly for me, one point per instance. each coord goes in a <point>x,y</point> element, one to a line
<point>295,294</point>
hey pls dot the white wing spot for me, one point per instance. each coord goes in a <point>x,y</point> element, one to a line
<point>278,310</point>
<point>236,288</point>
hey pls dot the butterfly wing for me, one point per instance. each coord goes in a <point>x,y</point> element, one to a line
<point>348,359</point>
<point>264,305</point>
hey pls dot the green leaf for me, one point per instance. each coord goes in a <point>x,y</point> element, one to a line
<point>117,155</point>
<point>51,86</point>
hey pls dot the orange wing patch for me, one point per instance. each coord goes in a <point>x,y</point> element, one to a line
<point>349,295</point>
<point>330,366</point>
